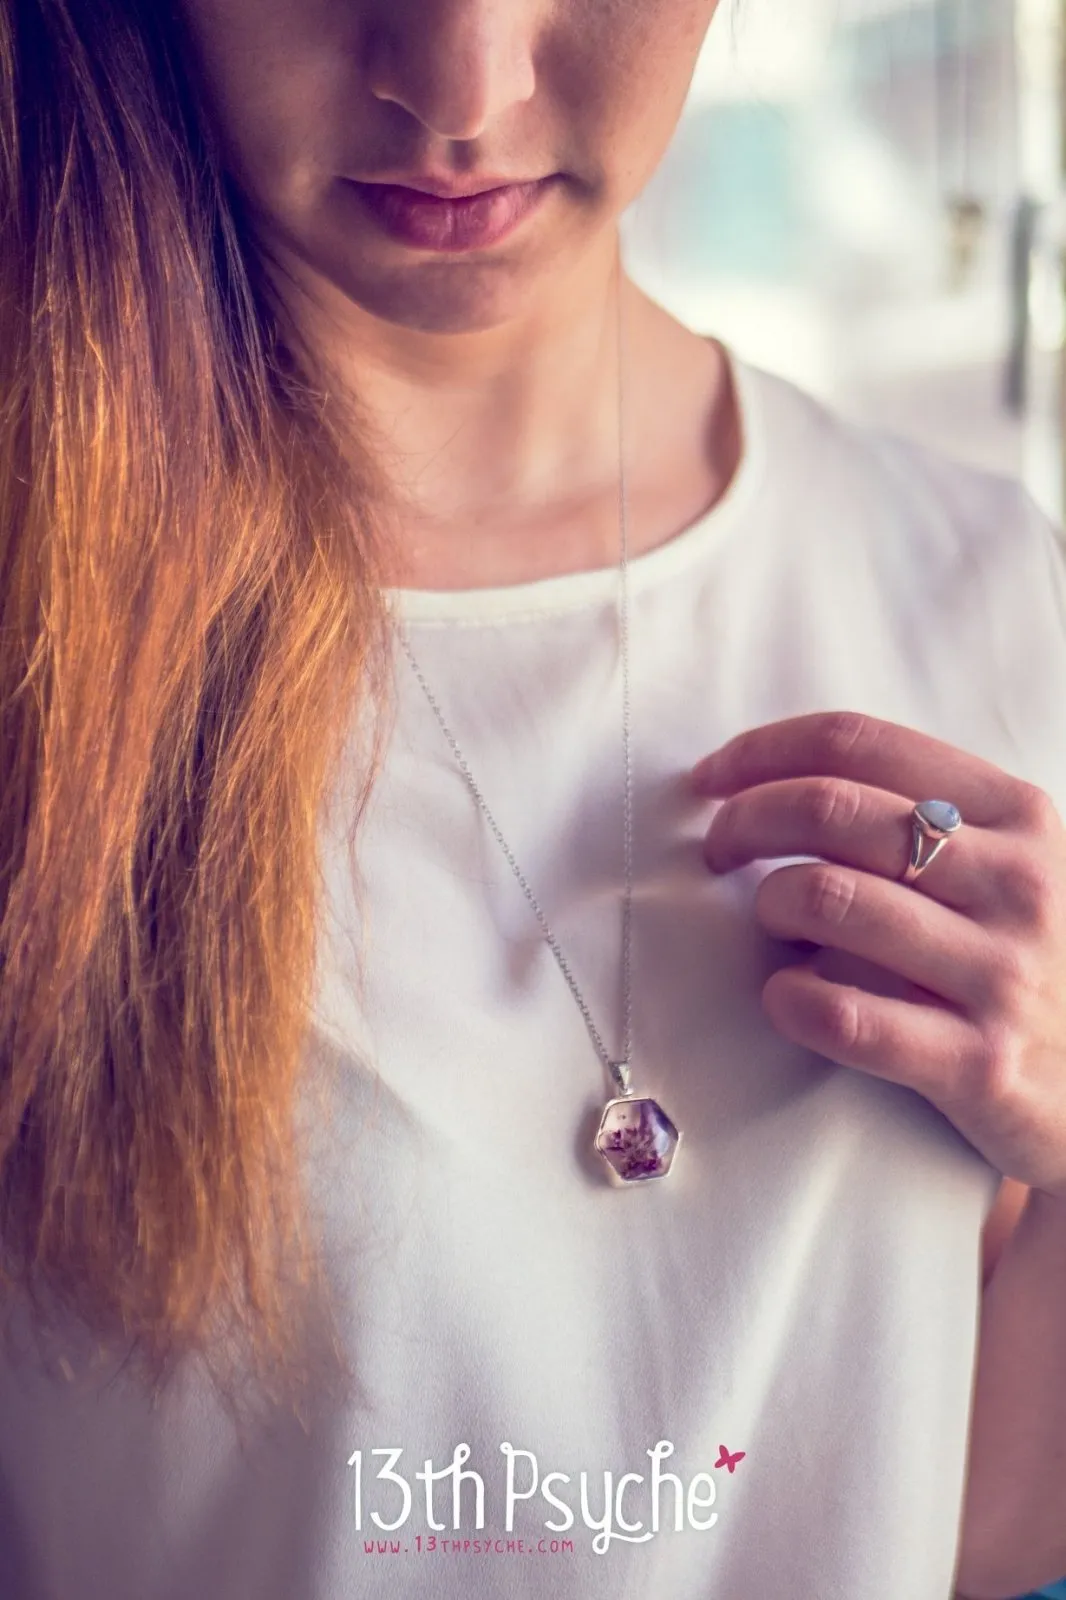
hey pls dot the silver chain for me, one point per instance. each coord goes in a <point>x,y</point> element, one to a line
<point>619,1070</point>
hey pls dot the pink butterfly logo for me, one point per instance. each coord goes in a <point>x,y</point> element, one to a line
<point>727,1460</point>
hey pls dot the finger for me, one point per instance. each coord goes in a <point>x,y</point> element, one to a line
<point>856,825</point>
<point>925,1048</point>
<point>884,755</point>
<point>923,941</point>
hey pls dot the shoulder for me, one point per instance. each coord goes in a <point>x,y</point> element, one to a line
<point>907,502</point>
<point>910,479</point>
<point>949,566</point>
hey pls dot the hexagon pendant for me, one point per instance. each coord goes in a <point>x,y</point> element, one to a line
<point>637,1139</point>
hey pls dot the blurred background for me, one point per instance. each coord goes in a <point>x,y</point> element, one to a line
<point>867,196</point>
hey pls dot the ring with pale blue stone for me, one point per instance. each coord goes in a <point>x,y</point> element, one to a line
<point>932,822</point>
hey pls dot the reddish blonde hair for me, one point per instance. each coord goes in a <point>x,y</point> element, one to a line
<point>191,561</point>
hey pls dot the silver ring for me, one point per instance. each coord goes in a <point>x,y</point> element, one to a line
<point>932,821</point>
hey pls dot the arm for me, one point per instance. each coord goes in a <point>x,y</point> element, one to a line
<point>1014,1520</point>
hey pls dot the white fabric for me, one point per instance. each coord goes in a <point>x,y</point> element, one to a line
<point>802,1288</point>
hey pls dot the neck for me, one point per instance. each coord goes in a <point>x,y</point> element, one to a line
<point>503,440</point>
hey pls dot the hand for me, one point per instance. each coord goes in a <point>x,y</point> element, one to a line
<point>979,938</point>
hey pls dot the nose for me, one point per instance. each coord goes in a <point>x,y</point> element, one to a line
<point>455,65</point>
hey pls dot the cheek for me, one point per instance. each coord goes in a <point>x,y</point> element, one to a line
<point>261,65</point>
<point>636,81</point>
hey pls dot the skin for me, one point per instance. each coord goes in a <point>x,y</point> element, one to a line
<point>493,377</point>
<point>491,374</point>
<point>978,940</point>
<point>976,1025</point>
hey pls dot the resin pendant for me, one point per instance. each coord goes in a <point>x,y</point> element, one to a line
<point>636,1139</point>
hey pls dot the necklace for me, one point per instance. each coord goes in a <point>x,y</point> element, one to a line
<point>636,1138</point>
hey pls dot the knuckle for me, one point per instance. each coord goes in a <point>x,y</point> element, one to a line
<point>1030,889</point>
<point>1007,980</point>
<point>1034,808</point>
<point>841,732</point>
<point>844,1020</point>
<point>1000,1063</point>
<point>830,895</point>
<point>835,802</point>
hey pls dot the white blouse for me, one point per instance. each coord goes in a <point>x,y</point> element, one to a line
<point>749,1379</point>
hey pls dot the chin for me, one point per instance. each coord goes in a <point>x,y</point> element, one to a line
<point>427,293</point>
<point>431,293</point>
<point>456,296</point>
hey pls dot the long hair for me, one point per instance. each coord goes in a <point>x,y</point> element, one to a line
<point>190,616</point>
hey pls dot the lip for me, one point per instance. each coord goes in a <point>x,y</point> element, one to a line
<point>446,188</point>
<point>450,224</point>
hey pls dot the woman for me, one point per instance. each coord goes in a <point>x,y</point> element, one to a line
<point>335,1262</point>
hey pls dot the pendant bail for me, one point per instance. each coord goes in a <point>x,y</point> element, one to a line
<point>619,1071</point>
